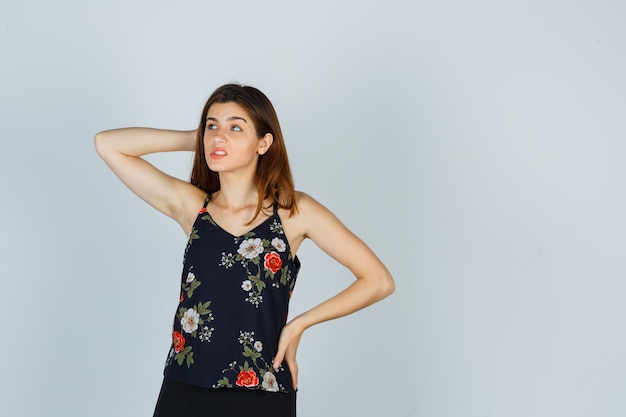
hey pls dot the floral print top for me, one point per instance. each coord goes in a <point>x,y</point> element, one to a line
<point>234,300</point>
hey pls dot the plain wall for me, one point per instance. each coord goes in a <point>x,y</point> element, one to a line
<point>477,147</point>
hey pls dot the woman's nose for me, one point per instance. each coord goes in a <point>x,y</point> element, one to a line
<point>219,136</point>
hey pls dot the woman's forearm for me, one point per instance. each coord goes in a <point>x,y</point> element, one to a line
<point>138,141</point>
<point>360,294</point>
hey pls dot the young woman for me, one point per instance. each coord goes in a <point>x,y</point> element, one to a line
<point>233,351</point>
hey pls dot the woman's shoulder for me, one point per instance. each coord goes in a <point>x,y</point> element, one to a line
<point>308,209</point>
<point>303,198</point>
<point>305,204</point>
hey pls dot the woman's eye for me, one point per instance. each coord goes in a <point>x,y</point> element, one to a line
<point>211,126</point>
<point>236,128</point>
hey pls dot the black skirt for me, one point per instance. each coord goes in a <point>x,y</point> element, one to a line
<point>178,399</point>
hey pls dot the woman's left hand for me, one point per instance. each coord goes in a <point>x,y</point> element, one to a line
<point>287,346</point>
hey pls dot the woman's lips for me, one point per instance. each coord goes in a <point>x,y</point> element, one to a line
<point>218,153</point>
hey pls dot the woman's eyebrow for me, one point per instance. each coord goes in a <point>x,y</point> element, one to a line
<point>229,119</point>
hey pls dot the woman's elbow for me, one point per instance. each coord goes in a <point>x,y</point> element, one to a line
<point>99,142</point>
<point>391,286</point>
<point>386,286</point>
<point>106,144</point>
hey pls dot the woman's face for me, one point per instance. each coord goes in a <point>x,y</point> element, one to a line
<point>230,140</point>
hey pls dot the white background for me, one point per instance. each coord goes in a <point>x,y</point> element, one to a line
<point>478,147</point>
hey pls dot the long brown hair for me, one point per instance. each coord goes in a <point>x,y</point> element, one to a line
<point>273,174</point>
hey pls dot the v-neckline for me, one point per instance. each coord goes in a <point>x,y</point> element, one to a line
<point>232,234</point>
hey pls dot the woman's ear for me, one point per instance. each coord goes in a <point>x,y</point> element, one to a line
<point>264,143</point>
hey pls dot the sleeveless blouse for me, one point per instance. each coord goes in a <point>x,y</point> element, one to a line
<point>234,300</point>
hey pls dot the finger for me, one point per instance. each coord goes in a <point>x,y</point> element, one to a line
<point>293,368</point>
<point>278,359</point>
<point>294,377</point>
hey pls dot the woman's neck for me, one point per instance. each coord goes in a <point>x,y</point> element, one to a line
<point>236,194</point>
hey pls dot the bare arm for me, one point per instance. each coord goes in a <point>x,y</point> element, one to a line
<point>122,150</point>
<point>373,280</point>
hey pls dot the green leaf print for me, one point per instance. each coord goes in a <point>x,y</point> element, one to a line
<point>258,282</point>
<point>194,285</point>
<point>203,308</point>
<point>180,356</point>
<point>193,235</point>
<point>224,382</point>
<point>207,217</point>
<point>249,353</point>
<point>284,273</point>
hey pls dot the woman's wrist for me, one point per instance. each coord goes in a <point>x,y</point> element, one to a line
<point>191,140</point>
<point>299,323</point>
